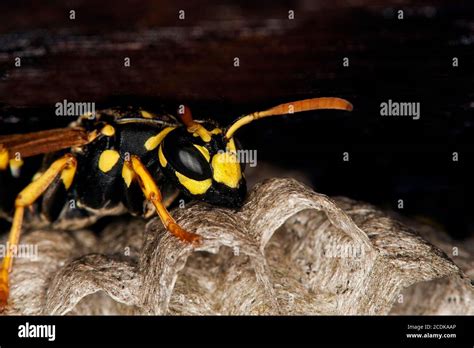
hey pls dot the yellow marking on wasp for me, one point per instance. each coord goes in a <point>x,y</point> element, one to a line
<point>127,174</point>
<point>162,158</point>
<point>204,135</point>
<point>146,114</point>
<point>67,176</point>
<point>204,151</point>
<point>108,131</point>
<point>156,140</point>
<point>4,158</point>
<point>226,169</point>
<point>196,187</point>
<point>192,126</point>
<point>108,159</point>
<point>15,165</point>
<point>198,130</point>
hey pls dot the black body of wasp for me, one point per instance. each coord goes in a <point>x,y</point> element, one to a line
<point>175,158</point>
<point>131,161</point>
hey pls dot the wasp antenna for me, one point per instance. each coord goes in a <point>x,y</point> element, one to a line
<point>186,116</point>
<point>291,108</point>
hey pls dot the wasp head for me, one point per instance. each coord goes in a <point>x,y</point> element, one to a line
<point>204,164</point>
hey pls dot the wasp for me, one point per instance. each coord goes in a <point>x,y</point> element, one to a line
<point>131,161</point>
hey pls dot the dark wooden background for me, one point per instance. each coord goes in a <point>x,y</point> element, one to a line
<point>192,61</point>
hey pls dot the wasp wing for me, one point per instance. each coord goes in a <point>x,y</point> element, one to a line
<point>42,142</point>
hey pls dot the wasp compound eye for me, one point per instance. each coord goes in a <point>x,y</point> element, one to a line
<point>185,158</point>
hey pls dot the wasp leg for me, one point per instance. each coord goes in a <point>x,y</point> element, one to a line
<point>66,166</point>
<point>153,194</point>
<point>4,157</point>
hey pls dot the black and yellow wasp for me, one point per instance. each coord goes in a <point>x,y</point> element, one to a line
<point>131,161</point>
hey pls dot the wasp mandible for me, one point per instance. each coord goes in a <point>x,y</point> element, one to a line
<point>134,162</point>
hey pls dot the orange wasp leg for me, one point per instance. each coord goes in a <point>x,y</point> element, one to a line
<point>153,194</point>
<point>64,166</point>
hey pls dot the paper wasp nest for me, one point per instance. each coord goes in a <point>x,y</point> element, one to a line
<point>289,250</point>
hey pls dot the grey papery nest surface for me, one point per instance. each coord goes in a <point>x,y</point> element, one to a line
<point>289,250</point>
